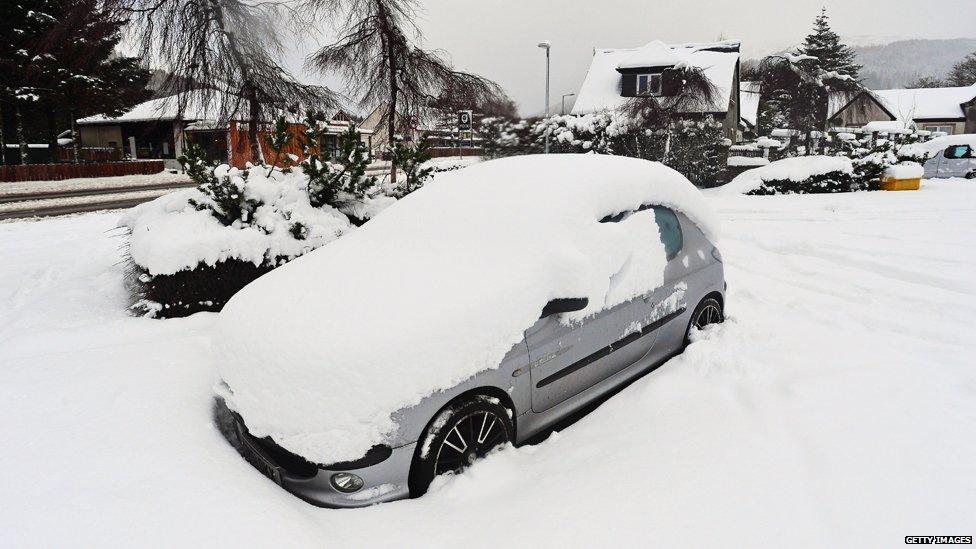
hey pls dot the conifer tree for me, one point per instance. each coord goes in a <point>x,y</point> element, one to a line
<point>831,54</point>
<point>411,159</point>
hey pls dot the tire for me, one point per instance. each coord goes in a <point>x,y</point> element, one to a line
<point>971,175</point>
<point>709,311</point>
<point>457,436</point>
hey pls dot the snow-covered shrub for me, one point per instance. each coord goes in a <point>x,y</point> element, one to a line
<point>192,250</point>
<point>798,175</point>
<point>696,148</point>
<point>699,151</point>
<point>871,160</point>
<point>508,137</point>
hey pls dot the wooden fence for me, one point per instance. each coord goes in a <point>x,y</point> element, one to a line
<point>56,172</point>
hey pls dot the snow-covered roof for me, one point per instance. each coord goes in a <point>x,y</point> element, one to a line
<point>601,87</point>
<point>749,102</point>
<point>167,108</point>
<point>303,351</point>
<point>164,108</point>
<point>906,105</point>
<point>926,103</point>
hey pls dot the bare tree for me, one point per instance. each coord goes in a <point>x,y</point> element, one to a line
<point>227,52</point>
<point>377,58</point>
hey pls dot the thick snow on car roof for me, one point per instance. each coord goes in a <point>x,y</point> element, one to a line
<point>319,353</point>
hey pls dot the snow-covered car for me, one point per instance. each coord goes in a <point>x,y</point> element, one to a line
<point>475,312</point>
<point>951,156</point>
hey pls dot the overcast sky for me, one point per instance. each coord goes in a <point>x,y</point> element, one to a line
<point>497,38</point>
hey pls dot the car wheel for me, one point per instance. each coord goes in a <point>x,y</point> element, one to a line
<point>971,175</point>
<point>457,437</point>
<point>709,311</point>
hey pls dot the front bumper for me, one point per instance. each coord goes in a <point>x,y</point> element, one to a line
<point>384,481</point>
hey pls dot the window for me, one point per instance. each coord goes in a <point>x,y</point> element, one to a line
<point>958,151</point>
<point>649,84</point>
<point>670,229</point>
<point>944,129</point>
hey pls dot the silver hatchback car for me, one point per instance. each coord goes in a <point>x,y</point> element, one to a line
<point>954,156</point>
<point>555,370</point>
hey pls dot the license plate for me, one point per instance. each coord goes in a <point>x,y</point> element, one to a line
<point>257,459</point>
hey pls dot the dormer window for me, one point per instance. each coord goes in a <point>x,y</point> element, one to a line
<point>649,84</point>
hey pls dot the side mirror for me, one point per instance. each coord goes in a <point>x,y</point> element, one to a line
<point>564,305</point>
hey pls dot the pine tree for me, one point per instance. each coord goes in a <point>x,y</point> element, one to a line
<point>831,54</point>
<point>411,159</point>
<point>334,184</point>
<point>58,63</point>
<point>277,140</point>
<point>225,197</point>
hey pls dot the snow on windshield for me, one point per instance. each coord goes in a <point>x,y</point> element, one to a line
<point>322,351</point>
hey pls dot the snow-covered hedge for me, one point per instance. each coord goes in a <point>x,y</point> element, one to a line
<point>695,148</point>
<point>185,258</point>
<point>797,175</point>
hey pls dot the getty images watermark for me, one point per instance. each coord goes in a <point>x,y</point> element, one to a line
<point>939,540</point>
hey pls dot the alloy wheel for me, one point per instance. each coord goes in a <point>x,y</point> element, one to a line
<point>709,314</point>
<point>471,438</point>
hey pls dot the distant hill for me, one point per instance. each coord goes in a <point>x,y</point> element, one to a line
<point>897,64</point>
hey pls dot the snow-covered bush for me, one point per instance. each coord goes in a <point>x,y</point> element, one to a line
<point>192,250</point>
<point>695,148</point>
<point>508,137</point>
<point>872,157</point>
<point>798,175</point>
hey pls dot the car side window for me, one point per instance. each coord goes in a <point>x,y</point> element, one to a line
<point>670,228</point>
<point>957,151</point>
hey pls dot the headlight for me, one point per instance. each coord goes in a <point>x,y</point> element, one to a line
<point>346,482</point>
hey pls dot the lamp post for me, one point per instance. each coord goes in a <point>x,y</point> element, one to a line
<point>546,46</point>
<point>565,95</point>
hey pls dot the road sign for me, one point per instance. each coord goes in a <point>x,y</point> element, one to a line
<point>464,120</point>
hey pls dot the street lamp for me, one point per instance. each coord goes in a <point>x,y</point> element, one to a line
<point>565,95</point>
<point>546,45</point>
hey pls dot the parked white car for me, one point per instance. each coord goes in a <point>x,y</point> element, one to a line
<point>951,156</point>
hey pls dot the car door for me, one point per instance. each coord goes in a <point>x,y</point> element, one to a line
<point>667,301</point>
<point>567,359</point>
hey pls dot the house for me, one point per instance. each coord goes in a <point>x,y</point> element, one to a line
<point>949,110</point>
<point>616,75</point>
<point>157,129</point>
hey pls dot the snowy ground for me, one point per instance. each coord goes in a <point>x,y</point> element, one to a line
<point>836,407</point>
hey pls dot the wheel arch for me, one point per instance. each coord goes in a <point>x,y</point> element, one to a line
<point>489,391</point>
<point>718,297</point>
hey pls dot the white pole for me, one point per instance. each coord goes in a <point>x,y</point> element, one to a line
<point>546,45</point>
<point>547,99</point>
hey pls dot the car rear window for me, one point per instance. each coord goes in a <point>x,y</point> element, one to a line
<point>958,151</point>
<point>670,229</point>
